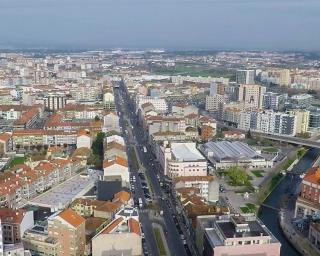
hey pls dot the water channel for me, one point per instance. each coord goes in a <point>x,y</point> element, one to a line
<point>270,216</point>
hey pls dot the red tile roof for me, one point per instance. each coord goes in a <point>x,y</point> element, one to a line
<point>117,160</point>
<point>71,217</point>
<point>5,136</point>
<point>134,226</point>
<point>112,226</point>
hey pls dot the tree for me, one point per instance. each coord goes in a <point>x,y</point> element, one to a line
<point>249,136</point>
<point>96,118</point>
<point>97,145</point>
<point>237,176</point>
<point>301,152</point>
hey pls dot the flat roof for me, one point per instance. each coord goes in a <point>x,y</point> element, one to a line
<point>64,193</point>
<point>186,152</point>
<point>229,150</point>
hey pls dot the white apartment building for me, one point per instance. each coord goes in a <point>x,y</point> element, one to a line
<point>111,122</point>
<point>183,159</point>
<point>269,122</point>
<point>159,104</point>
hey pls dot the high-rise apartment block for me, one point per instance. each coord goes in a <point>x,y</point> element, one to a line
<point>245,76</point>
<point>251,95</point>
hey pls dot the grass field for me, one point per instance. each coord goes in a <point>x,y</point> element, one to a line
<point>270,150</point>
<point>17,160</point>
<point>249,208</point>
<point>194,70</point>
<point>160,245</point>
<point>258,173</point>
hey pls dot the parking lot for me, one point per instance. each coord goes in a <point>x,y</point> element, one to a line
<point>63,194</point>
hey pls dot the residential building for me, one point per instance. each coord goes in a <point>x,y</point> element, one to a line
<point>303,120</point>
<point>113,149</point>
<point>274,101</point>
<point>215,104</point>
<point>234,235</point>
<point>69,229</point>
<point>84,139</point>
<point>234,135</point>
<point>111,122</point>
<point>308,202</point>
<point>165,124</point>
<point>207,132</point>
<point>268,122</point>
<point>121,237</point>
<point>251,95</point>
<point>184,110</point>
<point>159,104</point>
<point>54,101</point>
<point>14,223</point>
<point>85,206</point>
<point>6,144</point>
<point>245,76</point>
<point>302,100</point>
<point>208,186</point>
<point>38,242</point>
<point>314,234</point>
<point>183,159</point>
<point>116,170</point>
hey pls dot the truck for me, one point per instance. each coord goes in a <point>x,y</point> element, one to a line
<point>144,149</point>
<point>140,202</point>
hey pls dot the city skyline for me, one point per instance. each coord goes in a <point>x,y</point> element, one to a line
<point>179,24</point>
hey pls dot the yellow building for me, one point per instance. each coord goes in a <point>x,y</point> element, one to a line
<point>302,117</point>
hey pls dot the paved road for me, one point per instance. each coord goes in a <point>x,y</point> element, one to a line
<point>149,243</point>
<point>174,232</point>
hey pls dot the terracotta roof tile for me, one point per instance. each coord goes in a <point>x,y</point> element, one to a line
<point>8,215</point>
<point>122,196</point>
<point>117,160</point>
<point>108,207</point>
<point>112,225</point>
<point>313,175</point>
<point>71,217</point>
<point>5,136</point>
<point>134,226</point>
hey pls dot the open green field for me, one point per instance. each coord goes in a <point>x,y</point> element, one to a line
<point>194,70</point>
<point>18,160</point>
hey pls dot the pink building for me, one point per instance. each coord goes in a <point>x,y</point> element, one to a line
<point>234,235</point>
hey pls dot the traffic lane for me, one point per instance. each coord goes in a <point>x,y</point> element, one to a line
<point>171,205</point>
<point>172,233</point>
<point>138,193</point>
<point>174,239</point>
<point>148,233</point>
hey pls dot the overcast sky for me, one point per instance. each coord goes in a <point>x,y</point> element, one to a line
<point>173,24</point>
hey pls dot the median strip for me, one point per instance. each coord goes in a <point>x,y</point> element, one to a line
<point>159,241</point>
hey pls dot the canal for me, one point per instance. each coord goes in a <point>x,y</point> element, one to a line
<point>270,216</point>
